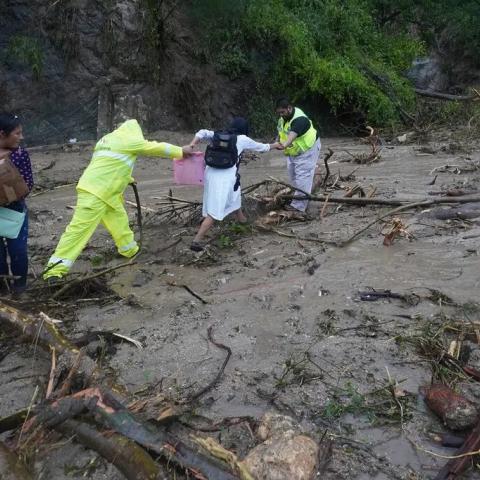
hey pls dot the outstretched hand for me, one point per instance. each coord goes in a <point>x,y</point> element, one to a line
<point>188,151</point>
<point>277,146</point>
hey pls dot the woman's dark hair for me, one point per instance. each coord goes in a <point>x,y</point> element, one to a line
<point>239,126</point>
<point>9,122</point>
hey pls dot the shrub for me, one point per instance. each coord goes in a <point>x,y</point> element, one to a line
<point>27,51</point>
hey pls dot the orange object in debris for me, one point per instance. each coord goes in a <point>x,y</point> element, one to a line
<point>456,411</point>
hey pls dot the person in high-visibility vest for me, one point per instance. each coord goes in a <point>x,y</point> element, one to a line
<point>301,144</point>
<point>100,194</point>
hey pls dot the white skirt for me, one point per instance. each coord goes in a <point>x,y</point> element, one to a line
<point>219,198</point>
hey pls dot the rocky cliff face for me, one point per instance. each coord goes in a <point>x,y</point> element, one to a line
<point>73,68</point>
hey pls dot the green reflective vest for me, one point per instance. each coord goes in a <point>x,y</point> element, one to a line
<point>110,170</point>
<point>300,144</point>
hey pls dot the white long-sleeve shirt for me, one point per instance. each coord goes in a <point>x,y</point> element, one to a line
<point>243,142</point>
<point>219,197</point>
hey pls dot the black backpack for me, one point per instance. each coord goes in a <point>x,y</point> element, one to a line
<point>222,152</point>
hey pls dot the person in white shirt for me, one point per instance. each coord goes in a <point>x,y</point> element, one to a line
<point>222,193</point>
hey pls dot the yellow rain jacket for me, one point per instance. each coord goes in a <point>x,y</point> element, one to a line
<point>110,170</point>
<point>100,195</point>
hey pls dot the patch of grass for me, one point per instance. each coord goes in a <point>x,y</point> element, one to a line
<point>440,298</point>
<point>387,404</point>
<point>224,241</point>
<point>296,371</point>
<point>97,260</point>
<point>350,401</point>
<point>86,469</point>
<point>435,113</point>
<point>240,228</point>
<point>430,341</point>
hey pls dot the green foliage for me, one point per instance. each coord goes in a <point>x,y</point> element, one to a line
<point>314,49</point>
<point>240,228</point>
<point>450,114</point>
<point>224,241</point>
<point>388,404</point>
<point>231,57</point>
<point>352,54</point>
<point>353,403</point>
<point>456,23</point>
<point>27,51</point>
<point>97,260</point>
<point>261,114</point>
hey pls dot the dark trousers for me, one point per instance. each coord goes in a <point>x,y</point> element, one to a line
<point>17,251</point>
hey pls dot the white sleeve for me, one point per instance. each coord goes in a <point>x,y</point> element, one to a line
<point>246,143</point>
<point>204,135</point>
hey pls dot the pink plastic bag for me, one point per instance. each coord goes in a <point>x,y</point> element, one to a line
<point>189,171</point>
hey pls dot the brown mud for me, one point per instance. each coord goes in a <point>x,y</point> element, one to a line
<point>302,340</point>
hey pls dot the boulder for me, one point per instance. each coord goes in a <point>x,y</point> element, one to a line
<point>284,457</point>
<point>285,454</point>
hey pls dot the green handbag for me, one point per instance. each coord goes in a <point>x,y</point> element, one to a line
<point>10,222</point>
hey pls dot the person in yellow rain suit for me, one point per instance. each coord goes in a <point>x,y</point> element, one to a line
<point>100,194</point>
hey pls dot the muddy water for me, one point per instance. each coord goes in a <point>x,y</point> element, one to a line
<point>266,306</point>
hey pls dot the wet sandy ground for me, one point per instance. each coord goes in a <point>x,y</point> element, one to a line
<point>271,299</point>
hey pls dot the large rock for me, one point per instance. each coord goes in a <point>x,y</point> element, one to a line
<point>284,457</point>
<point>428,74</point>
<point>285,453</point>
<point>273,424</point>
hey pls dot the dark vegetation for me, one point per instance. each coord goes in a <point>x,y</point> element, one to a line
<point>350,55</point>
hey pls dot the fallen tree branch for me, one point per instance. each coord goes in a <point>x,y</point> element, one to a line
<point>175,451</point>
<point>445,96</point>
<point>103,405</point>
<point>463,457</point>
<point>373,201</point>
<point>173,283</point>
<point>43,332</point>
<point>139,212</point>
<point>41,192</point>
<point>254,186</point>
<point>291,235</point>
<point>194,294</point>
<point>390,212</point>
<point>147,209</point>
<point>285,184</point>
<point>130,459</point>
<point>327,168</point>
<point>65,388</point>
<point>52,374</point>
<point>33,329</point>
<point>383,201</point>
<point>13,421</point>
<point>204,390</point>
<point>68,285</point>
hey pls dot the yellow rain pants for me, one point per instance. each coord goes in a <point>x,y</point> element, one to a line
<point>89,212</point>
<point>100,194</point>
